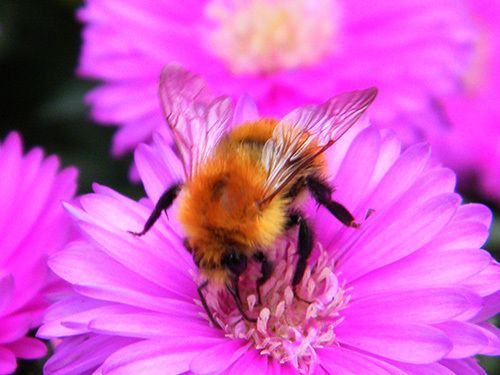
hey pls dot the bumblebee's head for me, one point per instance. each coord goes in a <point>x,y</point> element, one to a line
<point>234,261</point>
<point>217,259</point>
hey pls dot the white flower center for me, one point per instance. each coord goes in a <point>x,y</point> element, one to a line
<point>289,327</point>
<point>262,36</point>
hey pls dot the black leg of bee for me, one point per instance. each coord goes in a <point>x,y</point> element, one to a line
<point>321,192</point>
<point>205,305</point>
<point>163,204</point>
<point>305,243</point>
<point>234,291</point>
<point>266,269</point>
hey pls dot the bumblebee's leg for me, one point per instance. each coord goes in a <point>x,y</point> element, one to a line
<point>266,269</point>
<point>234,291</point>
<point>205,305</point>
<point>305,243</point>
<point>163,204</point>
<point>321,192</point>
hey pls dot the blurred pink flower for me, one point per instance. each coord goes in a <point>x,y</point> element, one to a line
<point>32,226</point>
<point>472,143</point>
<point>283,53</point>
<point>409,292</point>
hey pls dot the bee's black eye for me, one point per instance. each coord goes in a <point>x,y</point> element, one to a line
<point>235,261</point>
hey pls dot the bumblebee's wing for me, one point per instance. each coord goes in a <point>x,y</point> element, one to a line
<point>197,121</point>
<point>289,149</point>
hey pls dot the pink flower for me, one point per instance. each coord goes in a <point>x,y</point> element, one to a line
<point>472,144</point>
<point>284,53</point>
<point>408,292</point>
<point>32,226</point>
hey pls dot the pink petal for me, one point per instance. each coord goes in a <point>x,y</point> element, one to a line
<point>21,225</point>
<point>493,335</point>
<point>468,229</point>
<point>250,362</point>
<point>7,361</point>
<point>343,361</point>
<point>490,309</point>
<point>160,242</point>
<point>390,150</point>
<point>475,212</point>
<point>430,369</point>
<point>135,132</point>
<point>120,286</point>
<point>401,176</point>
<point>467,339</point>
<point>464,367</point>
<point>97,269</point>
<point>28,348</point>
<point>219,357</point>
<point>379,244</point>
<point>72,304</point>
<point>116,103</point>
<point>486,282</point>
<point>420,306</point>
<point>335,154</point>
<point>14,327</point>
<point>6,291</point>
<point>151,325</point>
<point>127,296</point>
<point>132,253</point>
<point>155,356</point>
<point>78,323</point>
<point>412,343</point>
<point>350,183</point>
<point>245,111</point>
<point>157,174</point>
<point>24,282</point>
<point>422,270</point>
<point>77,355</point>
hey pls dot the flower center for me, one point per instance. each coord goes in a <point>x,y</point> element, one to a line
<point>289,327</point>
<point>262,36</point>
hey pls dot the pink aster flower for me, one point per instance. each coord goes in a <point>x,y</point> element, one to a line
<point>283,53</point>
<point>408,292</point>
<point>32,226</point>
<point>472,143</point>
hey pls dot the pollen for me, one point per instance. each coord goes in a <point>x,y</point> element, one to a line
<point>262,36</point>
<point>289,326</point>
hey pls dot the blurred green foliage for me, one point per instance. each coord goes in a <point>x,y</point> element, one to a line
<point>43,99</point>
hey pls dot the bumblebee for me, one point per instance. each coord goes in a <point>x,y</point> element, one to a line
<point>243,184</point>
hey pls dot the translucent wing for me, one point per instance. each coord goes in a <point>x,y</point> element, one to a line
<point>307,132</point>
<point>196,119</point>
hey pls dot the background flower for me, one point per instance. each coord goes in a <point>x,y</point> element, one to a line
<point>32,226</point>
<point>416,286</point>
<point>283,53</point>
<point>471,144</point>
